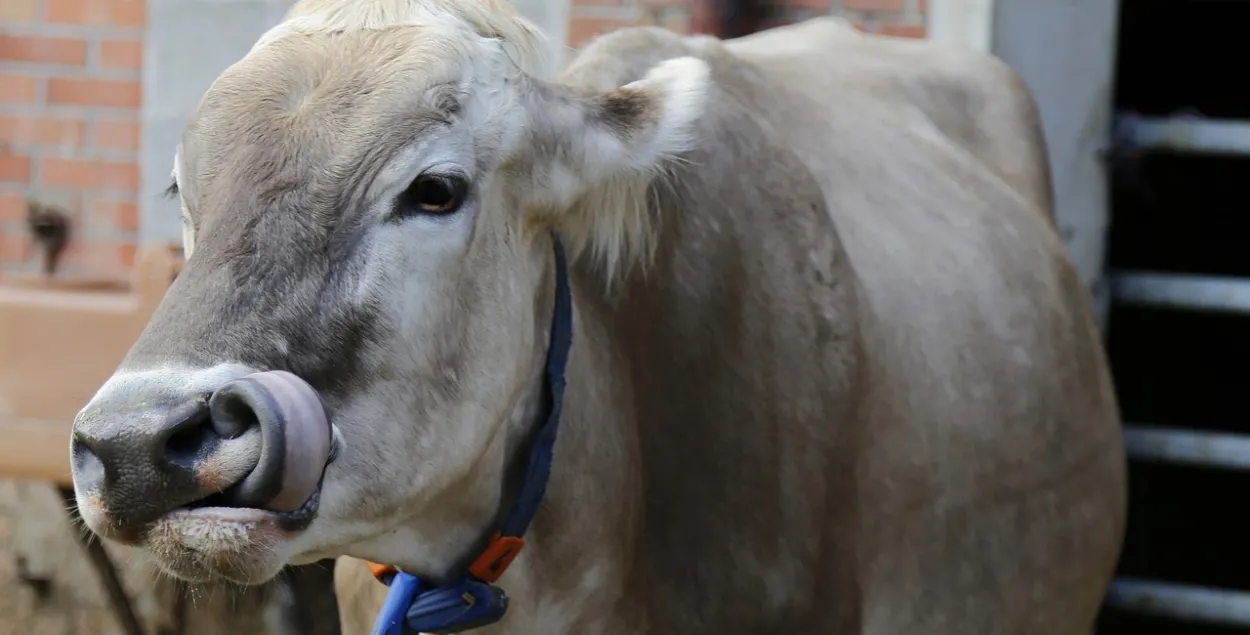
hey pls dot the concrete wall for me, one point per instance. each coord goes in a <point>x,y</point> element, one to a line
<point>189,43</point>
<point>552,16</point>
<point>1065,52</point>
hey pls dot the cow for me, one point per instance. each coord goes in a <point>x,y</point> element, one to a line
<point>797,302</point>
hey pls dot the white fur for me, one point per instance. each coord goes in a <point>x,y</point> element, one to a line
<point>188,227</point>
<point>494,19</point>
<point>600,200</point>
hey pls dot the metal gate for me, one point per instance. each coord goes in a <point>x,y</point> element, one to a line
<point>1179,331</point>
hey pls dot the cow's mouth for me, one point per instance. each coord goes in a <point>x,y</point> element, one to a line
<point>284,477</point>
<point>291,520</point>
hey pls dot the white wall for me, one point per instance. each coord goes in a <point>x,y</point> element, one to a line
<point>189,43</point>
<point>552,16</point>
<point>967,23</point>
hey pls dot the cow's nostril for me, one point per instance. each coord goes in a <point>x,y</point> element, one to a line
<point>232,414</point>
<point>236,407</point>
<point>87,465</point>
<point>294,432</point>
<point>190,440</point>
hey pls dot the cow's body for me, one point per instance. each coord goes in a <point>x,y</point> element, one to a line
<point>831,373</point>
<point>859,392</point>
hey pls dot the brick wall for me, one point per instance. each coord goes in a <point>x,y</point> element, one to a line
<point>69,109</point>
<point>903,18</point>
<point>69,129</point>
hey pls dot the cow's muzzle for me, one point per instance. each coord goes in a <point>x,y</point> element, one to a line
<point>261,441</point>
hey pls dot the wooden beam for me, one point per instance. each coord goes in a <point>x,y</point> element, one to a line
<point>58,344</point>
<point>35,450</point>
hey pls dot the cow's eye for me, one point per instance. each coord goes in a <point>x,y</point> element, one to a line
<point>433,195</point>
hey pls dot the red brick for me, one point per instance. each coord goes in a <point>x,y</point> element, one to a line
<point>116,135</point>
<point>13,248</point>
<point>121,54</point>
<point>14,168</point>
<point>12,208</point>
<point>16,88</point>
<point>43,131</point>
<point>89,174</point>
<point>820,5</point>
<point>51,50</point>
<point>874,6</point>
<point>130,13</point>
<point>583,29</point>
<point>94,92</point>
<point>902,30</point>
<point>115,215</point>
<point>703,18</point>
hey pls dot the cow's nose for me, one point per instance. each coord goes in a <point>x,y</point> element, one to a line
<point>141,465</point>
<point>258,441</point>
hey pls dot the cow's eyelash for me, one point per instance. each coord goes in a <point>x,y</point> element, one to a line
<point>171,192</point>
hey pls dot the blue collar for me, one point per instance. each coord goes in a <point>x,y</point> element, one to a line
<point>414,606</point>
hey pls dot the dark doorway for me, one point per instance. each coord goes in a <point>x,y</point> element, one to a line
<point>1186,213</point>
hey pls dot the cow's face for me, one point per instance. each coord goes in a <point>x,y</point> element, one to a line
<point>365,209</point>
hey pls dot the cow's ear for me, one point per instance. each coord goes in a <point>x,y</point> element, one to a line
<point>592,155</point>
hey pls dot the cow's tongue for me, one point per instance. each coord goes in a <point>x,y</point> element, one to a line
<point>295,434</point>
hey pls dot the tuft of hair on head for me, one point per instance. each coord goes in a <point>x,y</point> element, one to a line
<point>525,43</point>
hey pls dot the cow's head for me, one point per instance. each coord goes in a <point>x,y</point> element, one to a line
<point>365,199</point>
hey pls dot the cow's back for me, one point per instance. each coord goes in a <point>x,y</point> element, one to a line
<point>974,101</point>
<point>992,475</point>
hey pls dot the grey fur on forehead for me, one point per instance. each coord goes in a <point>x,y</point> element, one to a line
<point>311,114</point>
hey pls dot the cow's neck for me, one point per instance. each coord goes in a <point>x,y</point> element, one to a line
<point>578,550</point>
<point>667,471</point>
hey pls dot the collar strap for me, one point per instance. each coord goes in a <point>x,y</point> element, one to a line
<point>411,605</point>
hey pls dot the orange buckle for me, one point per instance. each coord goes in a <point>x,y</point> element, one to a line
<point>381,571</point>
<point>499,553</point>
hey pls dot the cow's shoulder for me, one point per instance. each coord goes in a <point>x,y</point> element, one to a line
<point>974,99</point>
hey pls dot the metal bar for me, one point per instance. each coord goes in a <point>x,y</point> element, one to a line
<point>1183,133</point>
<point>1183,602</point>
<point>1178,291</point>
<point>1196,448</point>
